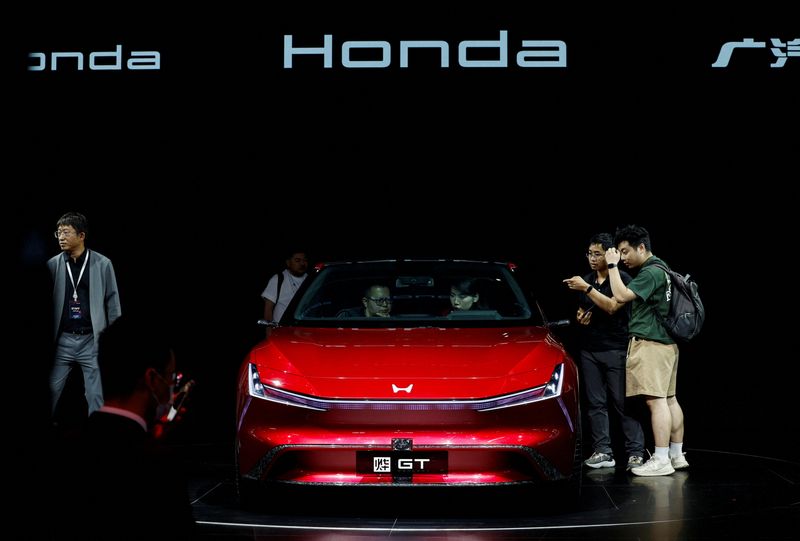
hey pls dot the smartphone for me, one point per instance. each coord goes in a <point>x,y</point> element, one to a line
<point>585,312</point>
<point>177,404</point>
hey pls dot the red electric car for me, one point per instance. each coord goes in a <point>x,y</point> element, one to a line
<point>405,373</point>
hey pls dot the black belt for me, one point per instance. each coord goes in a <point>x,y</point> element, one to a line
<point>80,331</point>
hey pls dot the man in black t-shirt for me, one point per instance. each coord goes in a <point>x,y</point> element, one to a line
<point>604,341</point>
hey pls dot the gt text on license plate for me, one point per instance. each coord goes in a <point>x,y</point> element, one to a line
<point>401,462</point>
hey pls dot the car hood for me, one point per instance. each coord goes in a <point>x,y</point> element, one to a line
<point>382,363</point>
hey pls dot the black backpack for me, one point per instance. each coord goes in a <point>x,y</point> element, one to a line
<point>686,312</point>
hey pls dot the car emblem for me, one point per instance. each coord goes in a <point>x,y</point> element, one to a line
<point>397,389</point>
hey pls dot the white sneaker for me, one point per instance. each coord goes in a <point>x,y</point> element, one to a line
<point>654,466</point>
<point>679,462</point>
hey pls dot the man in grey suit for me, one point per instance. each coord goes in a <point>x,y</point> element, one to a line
<point>85,301</point>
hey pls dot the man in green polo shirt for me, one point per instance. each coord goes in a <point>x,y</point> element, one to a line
<point>652,365</point>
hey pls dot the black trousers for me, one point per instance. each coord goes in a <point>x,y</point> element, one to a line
<point>604,385</point>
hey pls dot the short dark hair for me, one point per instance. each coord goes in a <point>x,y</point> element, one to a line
<point>369,289</point>
<point>635,235</point>
<point>127,348</point>
<point>76,220</point>
<point>603,239</point>
<point>466,286</point>
<point>296,251</point>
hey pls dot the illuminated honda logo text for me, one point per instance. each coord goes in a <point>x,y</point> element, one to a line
<point>396,389</point>
<point>98,61</point>
<point>533,53</point>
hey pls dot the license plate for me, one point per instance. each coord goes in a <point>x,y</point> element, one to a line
<point>399,462</point>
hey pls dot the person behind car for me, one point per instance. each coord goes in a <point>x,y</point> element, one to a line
<point>282,286</point>
<point>604,341</point>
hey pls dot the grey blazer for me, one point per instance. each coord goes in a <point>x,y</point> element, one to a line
<point>103,295</point>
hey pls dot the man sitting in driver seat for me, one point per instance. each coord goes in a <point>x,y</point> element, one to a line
<point>377,302</point>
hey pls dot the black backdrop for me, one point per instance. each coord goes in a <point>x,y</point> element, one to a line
<point>197,176</point>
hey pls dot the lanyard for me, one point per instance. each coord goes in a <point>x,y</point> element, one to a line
<point>75,285</point>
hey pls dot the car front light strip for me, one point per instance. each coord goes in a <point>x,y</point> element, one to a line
<point>281,396</point>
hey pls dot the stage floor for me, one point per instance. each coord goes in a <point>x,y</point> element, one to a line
<point>722,495</point>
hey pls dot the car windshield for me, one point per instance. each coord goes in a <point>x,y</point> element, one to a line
<point>411,293</point>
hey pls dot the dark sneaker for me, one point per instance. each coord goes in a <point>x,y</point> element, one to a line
<point>634,461</point>
<point>600,460</point>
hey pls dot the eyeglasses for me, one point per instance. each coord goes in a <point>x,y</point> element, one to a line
<point>62,233</point>
<point>596,255</point>
<point>381,300</point>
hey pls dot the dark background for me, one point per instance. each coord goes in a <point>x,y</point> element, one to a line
<point>197,177</point>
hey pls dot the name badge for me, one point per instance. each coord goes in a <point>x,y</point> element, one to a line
<point>75,311</point>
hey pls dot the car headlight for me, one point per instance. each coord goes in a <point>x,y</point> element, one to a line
<point>551,389</point>
<point>273,394</point>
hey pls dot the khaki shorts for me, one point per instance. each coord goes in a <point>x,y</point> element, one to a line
<point>651,368</point>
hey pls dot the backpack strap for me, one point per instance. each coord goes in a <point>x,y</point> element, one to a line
<point>280,283</point>
<point>659,317</point>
